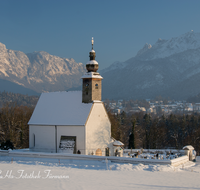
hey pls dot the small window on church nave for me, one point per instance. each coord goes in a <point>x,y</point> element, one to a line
<point>33,140</point>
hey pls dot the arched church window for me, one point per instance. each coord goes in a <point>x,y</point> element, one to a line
<point>96,86</point>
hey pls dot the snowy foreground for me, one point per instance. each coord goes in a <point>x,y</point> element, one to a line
<point>41,173</point>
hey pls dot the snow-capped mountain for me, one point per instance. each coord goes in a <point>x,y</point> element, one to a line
<point>166,48</point>
<point>170,68</point>
<point>39,71</point>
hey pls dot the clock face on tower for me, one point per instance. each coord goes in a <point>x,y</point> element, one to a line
<point>87,85</point>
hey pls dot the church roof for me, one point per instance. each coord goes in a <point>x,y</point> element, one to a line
<point>118,143</point>
<point>188,147</point>
<point>60,108</point>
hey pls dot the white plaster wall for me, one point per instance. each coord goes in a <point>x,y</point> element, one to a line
<point>179,161</point>
<point>78,131</point>
<point>98,129</point>
<point>44,138</point>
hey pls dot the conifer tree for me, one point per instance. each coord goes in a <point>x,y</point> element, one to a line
<point>132,136</point>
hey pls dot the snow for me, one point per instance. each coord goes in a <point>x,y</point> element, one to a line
<point>115,65</point>
<point>43,173</point>
<point>166,48</point>
<point>39,71</point>
<point>144,49</point>
<point>118,143</point>
<point>188,147</point>
<point>92,75</point>
<point>60,108</point>
<point>92,62</point>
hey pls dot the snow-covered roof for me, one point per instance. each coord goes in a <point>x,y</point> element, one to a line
<point>118,143</point>
<point>60,108</point>
<point>92,75</point>
<point>92,62</point>
<point>188,147</point>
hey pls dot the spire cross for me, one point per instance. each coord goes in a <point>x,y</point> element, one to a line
<point>92,42</point>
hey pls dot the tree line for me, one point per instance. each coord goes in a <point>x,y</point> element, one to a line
<point>150,131</point>
<point>19,99</point>
<point>14,125</point>
<point>136,130</point>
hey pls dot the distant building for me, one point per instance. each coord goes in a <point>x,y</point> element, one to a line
<point>196,107</point>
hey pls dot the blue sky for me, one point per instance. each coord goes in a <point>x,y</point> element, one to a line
<point>120,27</point>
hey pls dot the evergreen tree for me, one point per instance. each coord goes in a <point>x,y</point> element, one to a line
<point>147,127</point>
<point>132,136</point>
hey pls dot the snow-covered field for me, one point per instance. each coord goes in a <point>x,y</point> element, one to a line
<point>34,173</point>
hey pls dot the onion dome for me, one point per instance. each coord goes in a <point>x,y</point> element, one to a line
<point>92,65</point>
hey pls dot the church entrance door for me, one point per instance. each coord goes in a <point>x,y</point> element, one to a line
<point>67,144</point>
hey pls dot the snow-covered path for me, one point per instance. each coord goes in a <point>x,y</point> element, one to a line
<point>77,176</point>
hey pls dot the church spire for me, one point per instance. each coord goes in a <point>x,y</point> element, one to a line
<point>91,89</point>
<point>92,42</point>
<point>92,52</point>
<point>92,65</point>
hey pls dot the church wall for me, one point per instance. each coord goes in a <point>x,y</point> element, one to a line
<point>44,138</point>
<point>87,90</point>
<point>77,131</point>
<point>96,89</point>
<point>98,130</point>
<point>91,90</point>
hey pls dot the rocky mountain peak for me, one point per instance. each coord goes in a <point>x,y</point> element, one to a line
<point>2,46</point>
<point>40,71</point>
<point>166,48</point>
<point>170,68</point>
<point>144,49</point>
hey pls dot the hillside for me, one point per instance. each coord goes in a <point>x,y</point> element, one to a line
<point>39,71</point>
<point>15,88</point>
<point>18,99</point>
<point>170,68</point>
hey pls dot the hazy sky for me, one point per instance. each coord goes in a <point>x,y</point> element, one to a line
<point>120,27</point>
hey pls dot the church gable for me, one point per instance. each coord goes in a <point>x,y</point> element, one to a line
<point>98,129</point>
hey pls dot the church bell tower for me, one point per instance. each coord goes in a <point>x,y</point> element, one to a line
<point>91,89</point>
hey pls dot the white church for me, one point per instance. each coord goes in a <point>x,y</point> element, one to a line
<point>74,121</point>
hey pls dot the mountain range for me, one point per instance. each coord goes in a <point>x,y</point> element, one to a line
<point>38,71</point>
<point>170,68</point>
